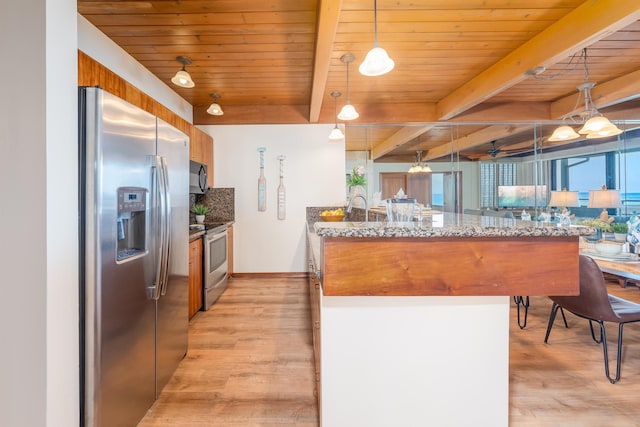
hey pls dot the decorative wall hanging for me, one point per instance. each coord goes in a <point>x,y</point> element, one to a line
<point>262,183</point>
<point>281,191</point>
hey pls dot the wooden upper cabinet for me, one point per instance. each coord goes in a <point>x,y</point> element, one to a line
<point>201,150</point>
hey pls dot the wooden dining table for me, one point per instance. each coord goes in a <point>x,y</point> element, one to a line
<point>624,271</point>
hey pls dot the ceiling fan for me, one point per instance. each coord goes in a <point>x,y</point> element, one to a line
<point>493,151</point>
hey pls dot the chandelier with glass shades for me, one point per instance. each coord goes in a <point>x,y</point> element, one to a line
<point>595,125</point>
<point>418,166</point>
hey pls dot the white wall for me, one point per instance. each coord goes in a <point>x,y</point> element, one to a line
<point>38,255</point>
<point>314,172</point>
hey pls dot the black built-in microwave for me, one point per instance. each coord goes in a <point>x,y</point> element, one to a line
<point>197,178</point>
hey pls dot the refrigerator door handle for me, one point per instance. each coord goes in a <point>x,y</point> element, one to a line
<point>167,226</point>
<point>158,206</point>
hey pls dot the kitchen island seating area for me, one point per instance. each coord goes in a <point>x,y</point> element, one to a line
<point>596,305</point>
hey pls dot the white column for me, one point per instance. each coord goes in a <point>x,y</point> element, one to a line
<point>38,214</point>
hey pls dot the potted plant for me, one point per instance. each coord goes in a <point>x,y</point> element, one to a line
<point>356,182</point>
<point>620,230</point>
<point>600,227</point>
<point>200,211</point>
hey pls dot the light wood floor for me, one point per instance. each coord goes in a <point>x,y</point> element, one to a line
<point>250,363</point>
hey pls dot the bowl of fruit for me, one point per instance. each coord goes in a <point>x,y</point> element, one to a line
<point>332,215</point>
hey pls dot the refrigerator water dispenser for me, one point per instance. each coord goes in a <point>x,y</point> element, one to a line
<point>131,223</point>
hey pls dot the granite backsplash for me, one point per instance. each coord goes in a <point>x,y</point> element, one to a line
<point>221,202</point>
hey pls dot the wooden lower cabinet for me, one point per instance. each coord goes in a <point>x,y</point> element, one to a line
<point>230,250</point>
<point>195,277</point>
<point>314,301</point>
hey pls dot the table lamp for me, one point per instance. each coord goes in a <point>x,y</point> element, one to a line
<point>564,199</point>
<point>604,199</point>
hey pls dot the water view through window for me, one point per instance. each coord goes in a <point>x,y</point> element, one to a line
<point>621,172</point>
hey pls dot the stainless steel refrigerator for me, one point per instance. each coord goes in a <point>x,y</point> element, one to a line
<point>134,178</point>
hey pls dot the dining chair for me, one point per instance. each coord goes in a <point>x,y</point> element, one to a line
<point>524,302</point>
<point>596,305</point>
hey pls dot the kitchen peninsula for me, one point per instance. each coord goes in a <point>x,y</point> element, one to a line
<point>414,317</point>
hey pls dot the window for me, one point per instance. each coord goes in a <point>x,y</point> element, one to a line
<point>584,174</point>
<point>491,176</point>
<point>616,170</point>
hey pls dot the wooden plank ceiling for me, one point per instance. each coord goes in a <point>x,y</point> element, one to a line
<point>458,86</point>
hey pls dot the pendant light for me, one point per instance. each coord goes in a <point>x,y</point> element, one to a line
<point>348,111</point>
<point>336,134</point>
<point>595,124</point>
<point>215,109</point>
<point>419,167</point>
<point>182,78</point>
<point>564,133</point>
<point>377,61</point>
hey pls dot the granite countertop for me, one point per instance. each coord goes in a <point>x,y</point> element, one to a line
<point>449,225</point>
<point>195,234</point>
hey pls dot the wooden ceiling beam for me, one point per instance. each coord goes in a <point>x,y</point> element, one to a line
<point>480,137</point>
<point>328,16</point>
<point>532,112</point>
<point>588,23</point>
<point>399,138</point>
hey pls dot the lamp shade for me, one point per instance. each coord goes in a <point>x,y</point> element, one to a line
<point>336,135</point>
<point>604,199</point>
<point>215,110</point>
<point>376,63</point>
<point>419,168</point>
<point>563,133</point>
<point>348,112</point>
<point>596,124</point>
<point>182,79</point>
<point>564,198</point>
<point>605,132</point>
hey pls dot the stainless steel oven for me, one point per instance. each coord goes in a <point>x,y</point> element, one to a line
<point>215,264</point>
